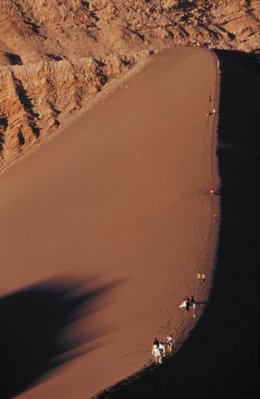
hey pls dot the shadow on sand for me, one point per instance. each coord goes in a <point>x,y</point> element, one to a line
<point>220,357</point>
<point>38,330</point>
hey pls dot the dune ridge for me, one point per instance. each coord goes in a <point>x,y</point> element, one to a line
<point>220,357</point>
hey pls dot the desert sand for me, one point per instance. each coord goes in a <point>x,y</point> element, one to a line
<point>220,357</point>
<point>104,229</point>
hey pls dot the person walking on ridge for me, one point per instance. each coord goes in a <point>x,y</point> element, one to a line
<point>162,348</point>
<point>193,306</point>
<point>169,343</point>
<point>156,353</point>
<point>185,304</point>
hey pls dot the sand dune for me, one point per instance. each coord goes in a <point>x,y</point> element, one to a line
<point>220,358</point>
<point>106,227</point>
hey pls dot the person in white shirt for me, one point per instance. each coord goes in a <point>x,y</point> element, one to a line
<point>193,306</point>
<point>199,276</point>
<point>185,304</point>
<point>157,356</point>
<point>162,349</point>
<point>169,343</point>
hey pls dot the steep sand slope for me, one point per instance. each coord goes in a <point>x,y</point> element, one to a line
<point>220,358</point>
<point>124,202</point>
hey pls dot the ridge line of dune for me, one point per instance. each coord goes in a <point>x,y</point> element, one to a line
<point>213,233</point>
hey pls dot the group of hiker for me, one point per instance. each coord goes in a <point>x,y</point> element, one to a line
<point>189,303</point>
<point>201,276</point>
<point>161,349</point>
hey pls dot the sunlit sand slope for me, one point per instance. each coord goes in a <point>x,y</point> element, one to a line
<point>111,221</point>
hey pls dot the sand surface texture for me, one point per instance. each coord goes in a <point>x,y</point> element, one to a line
<point>103,230</point>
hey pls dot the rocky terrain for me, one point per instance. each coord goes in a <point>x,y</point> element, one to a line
<point>57,55</point>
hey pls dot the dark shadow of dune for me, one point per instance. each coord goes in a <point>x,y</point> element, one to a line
<point>219,359</point>
<point>39,330</point>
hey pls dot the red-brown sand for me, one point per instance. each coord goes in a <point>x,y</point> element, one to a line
<point>121,198</point>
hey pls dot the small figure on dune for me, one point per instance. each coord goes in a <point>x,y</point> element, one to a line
<point>212,190</point>
<point>185,304</point>
<point>156,354</point>
<point>210,98</point>
<point>211,112</point>
<point>193,306</point>
<point>169,343</point>
<point>215,216</point>
<point>203,277</point>
<point>199,276</point>
<point>162,348</point>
